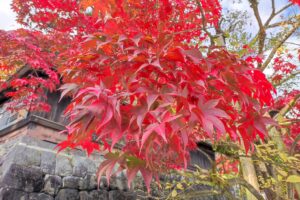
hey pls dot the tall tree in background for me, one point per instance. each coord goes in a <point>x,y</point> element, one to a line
<point>142,76</point>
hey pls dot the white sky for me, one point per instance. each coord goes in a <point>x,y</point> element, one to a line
<point>7,16</point>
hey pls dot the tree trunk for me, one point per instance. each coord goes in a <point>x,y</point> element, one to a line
<point>249,175</point>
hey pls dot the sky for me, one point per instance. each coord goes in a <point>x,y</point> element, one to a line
<point>7,16</point>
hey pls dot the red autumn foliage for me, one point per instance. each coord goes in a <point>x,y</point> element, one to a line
<point>135,80</point>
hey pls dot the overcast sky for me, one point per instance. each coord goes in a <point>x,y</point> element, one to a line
<point>7,16</point>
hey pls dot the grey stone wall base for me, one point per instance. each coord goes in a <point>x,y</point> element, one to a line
<point>31,169</point>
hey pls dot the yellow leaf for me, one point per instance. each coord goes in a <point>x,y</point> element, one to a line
<point>293,179</point>
<point>174,193</point>
<point>179,186</point>
<point>283,173</point>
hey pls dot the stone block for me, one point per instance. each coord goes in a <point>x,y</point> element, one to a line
<point>22,155</point>
<point>71,182</point>
<point>23,178</point>
<point>12,194</point>
<point>84,195</point>
<point>81,166</point>
<point>120,182</point>
<point>119,195</point>
<point>67,194</point>
<point>89,182</point>
<point>52,184</point>
<point>99,194</point>
<point>48,160</point>
<point>40,196</point>
<point>28,140</point>
<point>92,168</point>
<point>63,166</point>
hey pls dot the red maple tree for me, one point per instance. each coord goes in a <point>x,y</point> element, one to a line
<point>137,79</point>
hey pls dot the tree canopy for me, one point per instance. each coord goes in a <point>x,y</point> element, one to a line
<point>147,76</point>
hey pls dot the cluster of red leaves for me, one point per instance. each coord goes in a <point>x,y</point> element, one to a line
<point>295,2</point>
<point>292,119</point>
<point>18,49</point>
<point>134,80</point>
<point>283,68</point>
<point>157,97</point>
<point>227,166</point>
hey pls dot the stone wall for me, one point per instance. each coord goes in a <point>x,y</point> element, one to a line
<point>30,169</point>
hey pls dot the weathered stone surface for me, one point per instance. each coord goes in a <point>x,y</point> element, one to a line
<point>99,195</point>
<point>23,155</point>
<point>32,141</point>
<point>119,195</point>
<point>89,182</point>
<point>103,182</point>
<point>11,194</point>
<point>48,160</point>
<point>67,194</point>
<point>40,196</point>
<point>63,166</point>
<point>80,166</point>
<point>120,182</point>
<point>52,184</point>
<point>23,178</point>
<point>70,182</point>
<point>91,166</point>
<point>84,195</point>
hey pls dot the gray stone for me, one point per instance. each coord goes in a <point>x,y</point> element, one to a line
<point>119,195</point>
<point>89,182</point>
<point>84,195</point>
<point>120,181</point>
<point>103,182</point>
<point>52,184</point>
<point>48,160</point>
<point>99,195</point>
<point>70,182</point>
<point>23,178</point>
<point>91,166</point>
<point>40,196</point>
<point>37,142</point>
<point>63,166</point>
<point>28,157</point>
<point>67,194</point>
<point>11,194</point>
<point>81,166</point>
<point>23,155</point>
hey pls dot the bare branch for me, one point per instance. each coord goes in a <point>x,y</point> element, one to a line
<point>288,107</point>
<point>283,8</point>
<point>204,23</point>
<point>293,75</point>
<point>248,186</point>
<point>262,31</point>
<point>286,22</point>
<point>278,45</point>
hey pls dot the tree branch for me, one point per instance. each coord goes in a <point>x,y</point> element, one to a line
<point>239,181</point>
<point>276,47</point>
<point>288,107</point>
<point>286,22</point>
<point>293,75</point>
<point>204,23</point>
<point>262,30</point>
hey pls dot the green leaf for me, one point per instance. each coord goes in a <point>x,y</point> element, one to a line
<point>293,179</point>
